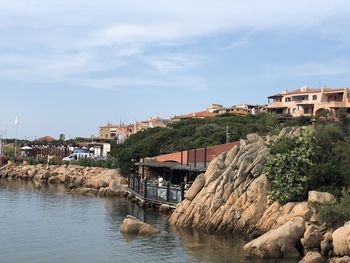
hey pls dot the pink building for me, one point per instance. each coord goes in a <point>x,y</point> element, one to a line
<point>308,102</point>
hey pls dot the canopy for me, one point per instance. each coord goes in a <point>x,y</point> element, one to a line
<point>26,148</point>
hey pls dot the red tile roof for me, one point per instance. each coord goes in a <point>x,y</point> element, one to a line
<point>46,139</point>
<point>200,114</point>
<point>308,90</point>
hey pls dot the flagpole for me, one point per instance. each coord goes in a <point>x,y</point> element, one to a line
<point>16,141</point>
<point>16,123</point>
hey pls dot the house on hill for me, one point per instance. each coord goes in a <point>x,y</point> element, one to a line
<point>309,102</point>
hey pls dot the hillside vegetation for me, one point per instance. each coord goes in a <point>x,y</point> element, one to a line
<point>195,133</point>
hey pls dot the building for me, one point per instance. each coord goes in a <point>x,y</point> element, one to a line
<point>116,132</point>
<point>152,123</point>
<point>216,108</point>
<point>123,131</point>
<point>308,102</point>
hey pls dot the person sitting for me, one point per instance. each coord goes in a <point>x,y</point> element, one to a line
<point>160,181</point>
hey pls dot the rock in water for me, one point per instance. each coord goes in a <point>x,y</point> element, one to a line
<point>132,225</point>
<point>280,242</point>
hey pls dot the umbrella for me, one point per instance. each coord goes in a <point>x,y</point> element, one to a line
<point>26,148</point>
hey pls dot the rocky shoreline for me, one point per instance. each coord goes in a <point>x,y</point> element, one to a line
<point>79,180</point>
<point>232,197</point>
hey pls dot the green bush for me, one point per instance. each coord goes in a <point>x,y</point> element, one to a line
<point>335,215</point>
<point>287,170</point>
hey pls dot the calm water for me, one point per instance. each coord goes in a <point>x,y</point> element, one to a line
<point>46,224</point>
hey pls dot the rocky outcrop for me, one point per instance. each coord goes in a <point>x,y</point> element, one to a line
<point>341,241</point>
<point>321,198</point>
<point>232,194</point>
<point>80,180</point>
<point>280,242</point>
<point>131,225</point>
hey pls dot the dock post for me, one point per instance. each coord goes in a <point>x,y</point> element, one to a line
<point>138,184</point>
<point>145,191</point>
<point>182,191</point>
<point>188,156</point>
<point>168,192</point>
<point>195,157</point>
<point>205,157</point>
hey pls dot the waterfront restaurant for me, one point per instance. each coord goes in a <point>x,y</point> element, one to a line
<point>165,178</point>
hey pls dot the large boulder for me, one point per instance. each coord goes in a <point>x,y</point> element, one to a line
<point>312,257</point>
<point>341,241</point>
<point>321,197</point>
<point>195,187</point>
<point>280,242</point>
<point>132,225</point>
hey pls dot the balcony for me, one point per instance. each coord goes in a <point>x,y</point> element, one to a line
<point>335,104</point>
<point>277,104</point>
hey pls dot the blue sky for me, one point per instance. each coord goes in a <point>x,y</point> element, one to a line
<point>71,66</point>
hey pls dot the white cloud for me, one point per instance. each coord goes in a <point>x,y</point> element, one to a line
<point>176,62</point>
<point>337,67</point>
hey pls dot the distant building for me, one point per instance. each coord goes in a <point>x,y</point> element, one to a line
<point>152,123</point>
<point>216,108</point>
<point>195,115</point>
<point>123,131</point>
<point>115,132</point>
<point>46,139</point>
<point>245,109</point>
<point>308,102</point>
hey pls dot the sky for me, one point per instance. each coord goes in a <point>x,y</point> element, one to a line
<point>72,66</point>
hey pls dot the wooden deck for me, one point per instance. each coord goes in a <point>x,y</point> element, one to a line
<point>151,193</point>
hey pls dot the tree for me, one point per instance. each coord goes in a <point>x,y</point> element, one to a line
<point>62,137</point>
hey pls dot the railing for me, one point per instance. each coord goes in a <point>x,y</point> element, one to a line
<point>171,194</point>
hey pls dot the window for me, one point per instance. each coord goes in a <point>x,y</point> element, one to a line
<point>287,99</point>
<point>314,97</point>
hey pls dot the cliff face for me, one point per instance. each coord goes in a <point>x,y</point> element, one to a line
<point>232,195</point>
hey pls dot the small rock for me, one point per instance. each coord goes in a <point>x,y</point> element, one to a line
<point>253,137</point>
<point>321,197</point>
<point>132,225</point>
<point>345,259</point>
<point>326,244</point>
<point>312,257</point>
<point>312,238</point>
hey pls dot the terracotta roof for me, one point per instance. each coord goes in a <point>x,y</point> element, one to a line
<point>200,114</point>
<point>307,90</point>
<point>46,139</point>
